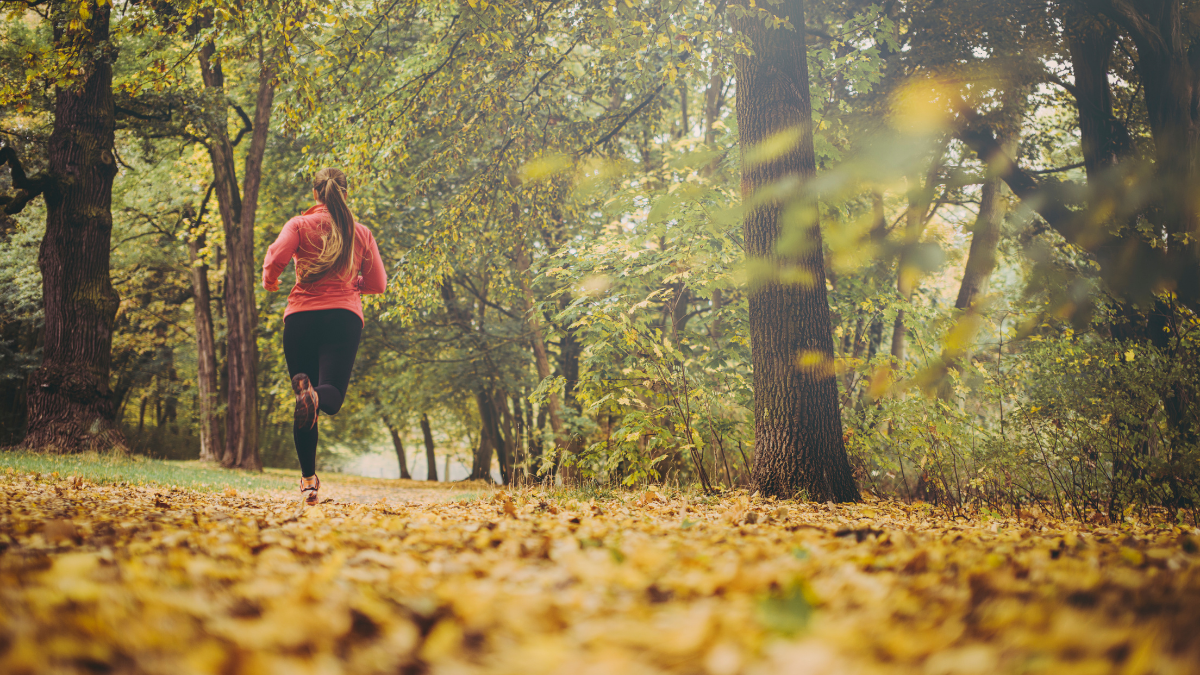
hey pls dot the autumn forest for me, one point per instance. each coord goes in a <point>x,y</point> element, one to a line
<point>717,337</point>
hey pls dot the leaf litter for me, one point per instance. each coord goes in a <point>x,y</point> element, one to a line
<point>132,579</point>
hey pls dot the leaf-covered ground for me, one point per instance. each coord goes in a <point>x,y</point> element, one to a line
<point>126,579</point>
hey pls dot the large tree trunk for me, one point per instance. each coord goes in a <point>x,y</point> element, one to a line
<point>1169,82</point>
<point>71,407</point>
<point>1169,85</point>
<point>206,355</point>
<point>237,210</point>
<point>1104,139</point>
<point>430,458</point>
<point>799,447</point>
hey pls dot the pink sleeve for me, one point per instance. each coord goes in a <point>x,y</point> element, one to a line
<point>279,255</point>
<point>374,278</point>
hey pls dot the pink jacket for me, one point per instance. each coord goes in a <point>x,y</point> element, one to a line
<point>301,238</point>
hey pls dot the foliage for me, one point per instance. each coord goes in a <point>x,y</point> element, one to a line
<point>600,140</point>
<point>210,581</point>
<point>1066,420</point>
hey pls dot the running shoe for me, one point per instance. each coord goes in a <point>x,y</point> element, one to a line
<point>311,488</point>
<point>306,402</point>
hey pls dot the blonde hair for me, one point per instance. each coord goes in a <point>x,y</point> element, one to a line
<point>337,247</point>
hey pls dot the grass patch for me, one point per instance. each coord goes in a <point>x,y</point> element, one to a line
<point>136,470</point>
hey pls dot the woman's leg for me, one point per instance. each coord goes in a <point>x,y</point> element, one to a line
<point>342,330</point>
<point>301,348</point>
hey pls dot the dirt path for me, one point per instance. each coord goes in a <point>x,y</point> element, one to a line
<point>347,489</point>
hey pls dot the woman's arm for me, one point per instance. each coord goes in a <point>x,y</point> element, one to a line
<point>374,278</point>
<point>278,256</point>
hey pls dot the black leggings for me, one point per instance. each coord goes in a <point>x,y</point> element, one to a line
<point>321,344</point>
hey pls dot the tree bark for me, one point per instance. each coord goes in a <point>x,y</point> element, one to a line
<point>206,355</point>
<point>1106,144</point>
<point>238,209</point>
<point>430,458</point>
<point>985,237</point>
<point>799,447</point>
<point>712,106</point>
<point>398,444</point>
<point>1167,60</point>
<point>481,460</point>
<point>507,449</point>
<point>536,444</point>
<point>489,439</point>
<point>1104,139</point>
<point>519,452</point>
<point>71,407</point>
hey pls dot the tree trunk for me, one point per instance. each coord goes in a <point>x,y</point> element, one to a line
<point>237,210</point>
<point>519,453</point>
<point>799,447</point>
<point>899,333</point>
<point>712,106</point>
<point>981,260</point>
<point>1106,143</point>
<point>71,407</point>
<point>206,355</point>
<point>481,461</point>
<point>507,449</point>
<point>536,445</point>
<point>398,444</point>
<point>430,458</point>
<point>540,355</point>
<point>907,271</point>
<point>489,439</point>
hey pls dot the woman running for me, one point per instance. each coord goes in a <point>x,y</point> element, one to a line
<point>336,262</point>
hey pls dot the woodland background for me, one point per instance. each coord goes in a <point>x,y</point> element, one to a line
<point>1006,191</point>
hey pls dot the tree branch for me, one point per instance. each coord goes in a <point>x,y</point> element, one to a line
<point>247,127</point>
<point>632,113</point>
<point>1125,15</point>
<point>1055,79</point>
<point>126,112</point>
<point>1060,169</point>
<point>620,125</point>
<point>27,188</point>
<point>1049,198</point>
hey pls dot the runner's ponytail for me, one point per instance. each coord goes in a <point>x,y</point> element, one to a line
<point>337,248</point>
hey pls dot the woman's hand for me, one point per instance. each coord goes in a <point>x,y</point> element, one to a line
<point>272,286</point>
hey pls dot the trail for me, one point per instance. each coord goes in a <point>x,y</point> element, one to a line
<point>338,488</point>
<point>102,578</point>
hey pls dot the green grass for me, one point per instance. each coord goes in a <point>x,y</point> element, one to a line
<point>107,469</point>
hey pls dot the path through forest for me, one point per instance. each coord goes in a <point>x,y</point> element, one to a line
<point>341,488</point>
<point>127,579</point>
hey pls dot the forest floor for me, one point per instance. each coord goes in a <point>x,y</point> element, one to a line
<point>106,575</point>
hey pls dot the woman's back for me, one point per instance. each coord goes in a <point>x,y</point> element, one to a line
<point>303,238</point>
